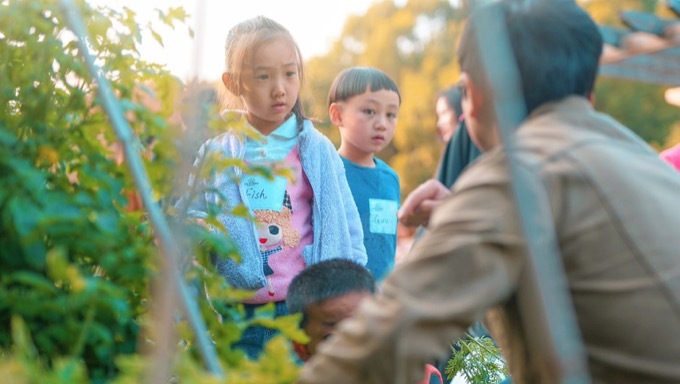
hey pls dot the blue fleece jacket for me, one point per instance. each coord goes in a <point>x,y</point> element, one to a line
<point>337,227</point>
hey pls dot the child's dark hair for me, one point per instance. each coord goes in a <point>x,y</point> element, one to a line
<point>358,80</point>
<point>244,39</point>
<point>556,45</point>
<point>453,96</point>
<point>326,280</point>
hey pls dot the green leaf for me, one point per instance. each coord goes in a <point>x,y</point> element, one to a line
<point>241,210</point>
<point>157,37</point>
<point>478,359</point>
<point>34,280</point>
<point>22,338</point>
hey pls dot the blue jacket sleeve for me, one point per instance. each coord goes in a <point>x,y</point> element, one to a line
<point>337,226</point>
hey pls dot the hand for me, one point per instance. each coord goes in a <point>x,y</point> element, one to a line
<point>420,203</point>
<point>429,371</point>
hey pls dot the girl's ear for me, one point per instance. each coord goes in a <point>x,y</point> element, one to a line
<point>335,113</point>
<point>301,350</point>
<point>231,84</point>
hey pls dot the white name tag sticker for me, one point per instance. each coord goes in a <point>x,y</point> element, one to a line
<point>383,216</point>
<point>263,193</point>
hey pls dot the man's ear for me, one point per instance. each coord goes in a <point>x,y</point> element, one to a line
<point>231,84</point>
<point>301,350</point>
<point>335,113</point>
<point>591,98</point>
<point>473,95</point>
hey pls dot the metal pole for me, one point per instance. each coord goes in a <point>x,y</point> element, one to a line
<point>169,248</point>
<point>554,324</point>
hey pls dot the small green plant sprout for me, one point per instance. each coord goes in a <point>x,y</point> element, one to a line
<point>479,361</point>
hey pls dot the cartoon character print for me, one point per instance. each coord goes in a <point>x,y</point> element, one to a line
<point>275,231</point>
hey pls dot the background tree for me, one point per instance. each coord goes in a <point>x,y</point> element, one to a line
<point>639,106</point>
<point>415,43</point>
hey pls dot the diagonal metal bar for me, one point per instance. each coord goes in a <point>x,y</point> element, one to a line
<point>554,328</point>
<point>646,22</point>
<point>169,248</point>
<point>661,68</point>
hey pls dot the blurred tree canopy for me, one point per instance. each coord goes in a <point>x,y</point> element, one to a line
<point>415,43</point>
<point>639,106</point>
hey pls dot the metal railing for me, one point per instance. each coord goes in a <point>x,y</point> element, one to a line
<point>553,321</point>
<point>169,248</point>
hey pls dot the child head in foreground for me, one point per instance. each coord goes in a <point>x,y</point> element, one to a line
<point>326,293</point>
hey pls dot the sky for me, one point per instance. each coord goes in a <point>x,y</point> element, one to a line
<point>314,24</point>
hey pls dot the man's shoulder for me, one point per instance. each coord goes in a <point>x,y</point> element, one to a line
<point>490,165</point>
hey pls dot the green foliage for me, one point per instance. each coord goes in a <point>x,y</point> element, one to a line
<point>641,107</point>
<point>478,359</point>
<point>77,259</point>
<point>75,265</point>
<point>23,364</point>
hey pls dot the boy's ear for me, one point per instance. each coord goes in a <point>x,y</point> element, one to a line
<point>231,84</point>
<point>335,113</point>
<point>301,350</point>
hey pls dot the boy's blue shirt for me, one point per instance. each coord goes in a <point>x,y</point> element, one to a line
<point>376,192</point>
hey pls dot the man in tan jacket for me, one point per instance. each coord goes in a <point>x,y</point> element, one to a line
<point>615,211</point>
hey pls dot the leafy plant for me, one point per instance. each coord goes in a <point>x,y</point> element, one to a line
<point>478,359</point>
<point>77,259</point>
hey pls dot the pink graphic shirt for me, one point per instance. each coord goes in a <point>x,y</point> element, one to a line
<point>283,230</point>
